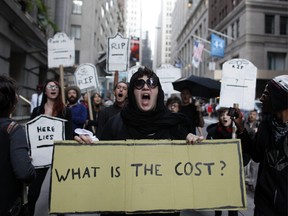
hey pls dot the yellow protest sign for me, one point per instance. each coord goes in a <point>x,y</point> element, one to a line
<point>146,175</point>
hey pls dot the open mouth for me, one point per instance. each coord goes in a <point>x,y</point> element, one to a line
<point>145,97</point>
<point>120,95</point>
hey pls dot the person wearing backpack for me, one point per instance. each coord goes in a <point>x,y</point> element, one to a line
<point>15,164</point>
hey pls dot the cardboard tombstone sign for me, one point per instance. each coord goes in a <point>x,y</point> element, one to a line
<point>41,133</point>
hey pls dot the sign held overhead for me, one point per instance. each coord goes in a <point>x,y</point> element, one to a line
<point>117,53</point>
<point>86,77</point>
<point>238,84</point>
<point>61,51</point>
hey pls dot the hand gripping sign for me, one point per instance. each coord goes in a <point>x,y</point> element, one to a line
<point>41,133</point>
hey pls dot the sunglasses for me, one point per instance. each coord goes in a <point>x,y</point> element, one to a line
<point>151,83</point>
<point>52,87</point>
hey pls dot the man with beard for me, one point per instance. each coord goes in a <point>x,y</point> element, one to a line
<point>120,93</point>
<point>79,111</point>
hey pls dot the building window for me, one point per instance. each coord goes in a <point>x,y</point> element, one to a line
<point>283,25</point>
<point>276,61</point>
<point>77,6</point>
<point>237,28</point>
<point>77,57</point>
<point>76,32</point>
<point>269,24</point>
<point>232,30</point>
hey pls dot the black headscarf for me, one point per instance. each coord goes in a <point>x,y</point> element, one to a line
<point>144,123</point>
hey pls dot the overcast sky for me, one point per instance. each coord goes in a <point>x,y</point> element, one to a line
<point>150,13</point>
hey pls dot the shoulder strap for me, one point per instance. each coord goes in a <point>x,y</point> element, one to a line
<point>11,127</point>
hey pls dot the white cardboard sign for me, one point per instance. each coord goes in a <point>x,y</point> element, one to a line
<point>118,48</point>
<point>41,133</point>
<point>61,51</point>
<point>86,77</point>
<point>238,84</point>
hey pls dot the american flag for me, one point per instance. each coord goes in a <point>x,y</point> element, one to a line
<point>197,53</point>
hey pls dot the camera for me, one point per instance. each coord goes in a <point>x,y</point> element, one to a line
<point>232,112</point>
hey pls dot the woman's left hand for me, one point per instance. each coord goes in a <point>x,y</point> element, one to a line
<point>192,138</point>
<point>83,139</point>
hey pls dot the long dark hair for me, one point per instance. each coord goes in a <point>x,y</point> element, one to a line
<point>8,97</point>
<point>58,106</point>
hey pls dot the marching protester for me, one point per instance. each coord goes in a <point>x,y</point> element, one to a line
<point>15,165</point>
<point>269,147</point>
<point>251,125</point>
<point>120,93</point>
<point>146,116</point>
<point>36,97</point>
<point>78,110</point>
<point>84,100</point>
<point>221,130</point>
<point>51,105</point>
<point>97,107</point>
<point>192,110</point>
<point>173,104</point>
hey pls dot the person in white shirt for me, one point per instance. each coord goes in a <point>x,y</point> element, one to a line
<point>36,98</point>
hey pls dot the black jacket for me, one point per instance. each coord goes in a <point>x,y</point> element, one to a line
<point>115,129</point>
<point>15,165</point>
<point>271,194</point>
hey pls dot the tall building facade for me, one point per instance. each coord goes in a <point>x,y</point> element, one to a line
<point>190,24</point>
<point>23,40</point>
<point>26,27</point>
<point>91,23</point>
<point>259,30</point>
<point>164,33</point>
<point>138,37</point>
<point>260,34</point>
<point>133,18</point>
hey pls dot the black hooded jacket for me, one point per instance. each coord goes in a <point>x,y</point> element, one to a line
<point>271,194</point>
<point>132,123</point>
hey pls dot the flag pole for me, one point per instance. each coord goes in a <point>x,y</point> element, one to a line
<point>197,37</point>
<point>219,33</point>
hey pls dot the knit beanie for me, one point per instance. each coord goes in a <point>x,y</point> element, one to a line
<point>278,89</point>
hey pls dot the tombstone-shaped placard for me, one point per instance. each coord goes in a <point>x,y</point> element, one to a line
<point>238,84</point>
<point>132,70</point>
<point>41,133</point>
<point>118,47</point>
<point>61,51</point>
<point>86,77</point>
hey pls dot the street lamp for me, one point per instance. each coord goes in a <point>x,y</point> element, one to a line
<point>189,3</point>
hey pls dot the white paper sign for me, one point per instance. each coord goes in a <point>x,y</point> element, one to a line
<point>238,84</point>
<point>86,77</point>
<point>61,51</point>
<point>41,133</point>
<point>118,48</point>
<point>132,70</point>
